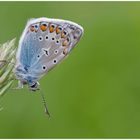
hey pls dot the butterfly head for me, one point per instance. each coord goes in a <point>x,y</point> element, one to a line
<point>34,86</point>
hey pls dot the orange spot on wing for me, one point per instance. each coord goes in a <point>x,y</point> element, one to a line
<point>65,51</point>
<point>62,35</point>
<point>43,27</point>
<point>65,43</point>
<point>32,28</point>
<point>52,28</point>
<point>58,31</point>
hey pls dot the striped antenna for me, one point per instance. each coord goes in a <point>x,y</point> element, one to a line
<point>45,104</point>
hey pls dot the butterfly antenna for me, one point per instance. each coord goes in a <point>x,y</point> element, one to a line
<point>45,104</point>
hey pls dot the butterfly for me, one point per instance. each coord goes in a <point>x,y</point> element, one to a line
<point>43,44</point>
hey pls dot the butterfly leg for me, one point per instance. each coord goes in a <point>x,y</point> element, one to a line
<point>20,85</point>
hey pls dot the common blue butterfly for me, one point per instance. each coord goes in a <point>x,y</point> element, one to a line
<point>43,44</point>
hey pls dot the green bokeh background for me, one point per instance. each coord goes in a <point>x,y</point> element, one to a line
<point>95,92</point>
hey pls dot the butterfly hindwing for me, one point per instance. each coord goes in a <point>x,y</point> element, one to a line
<point>45,42</point>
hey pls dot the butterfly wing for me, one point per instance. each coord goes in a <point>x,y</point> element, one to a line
<point>45,42</point>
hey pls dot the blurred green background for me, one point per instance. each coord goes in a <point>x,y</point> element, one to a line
<point>95,92</point>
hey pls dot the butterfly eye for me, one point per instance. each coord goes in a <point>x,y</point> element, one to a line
<point>34,86</point>
<point>64,34</point>
<point>43,26</point>
<point>52,28</point>
<point>58,30</point>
